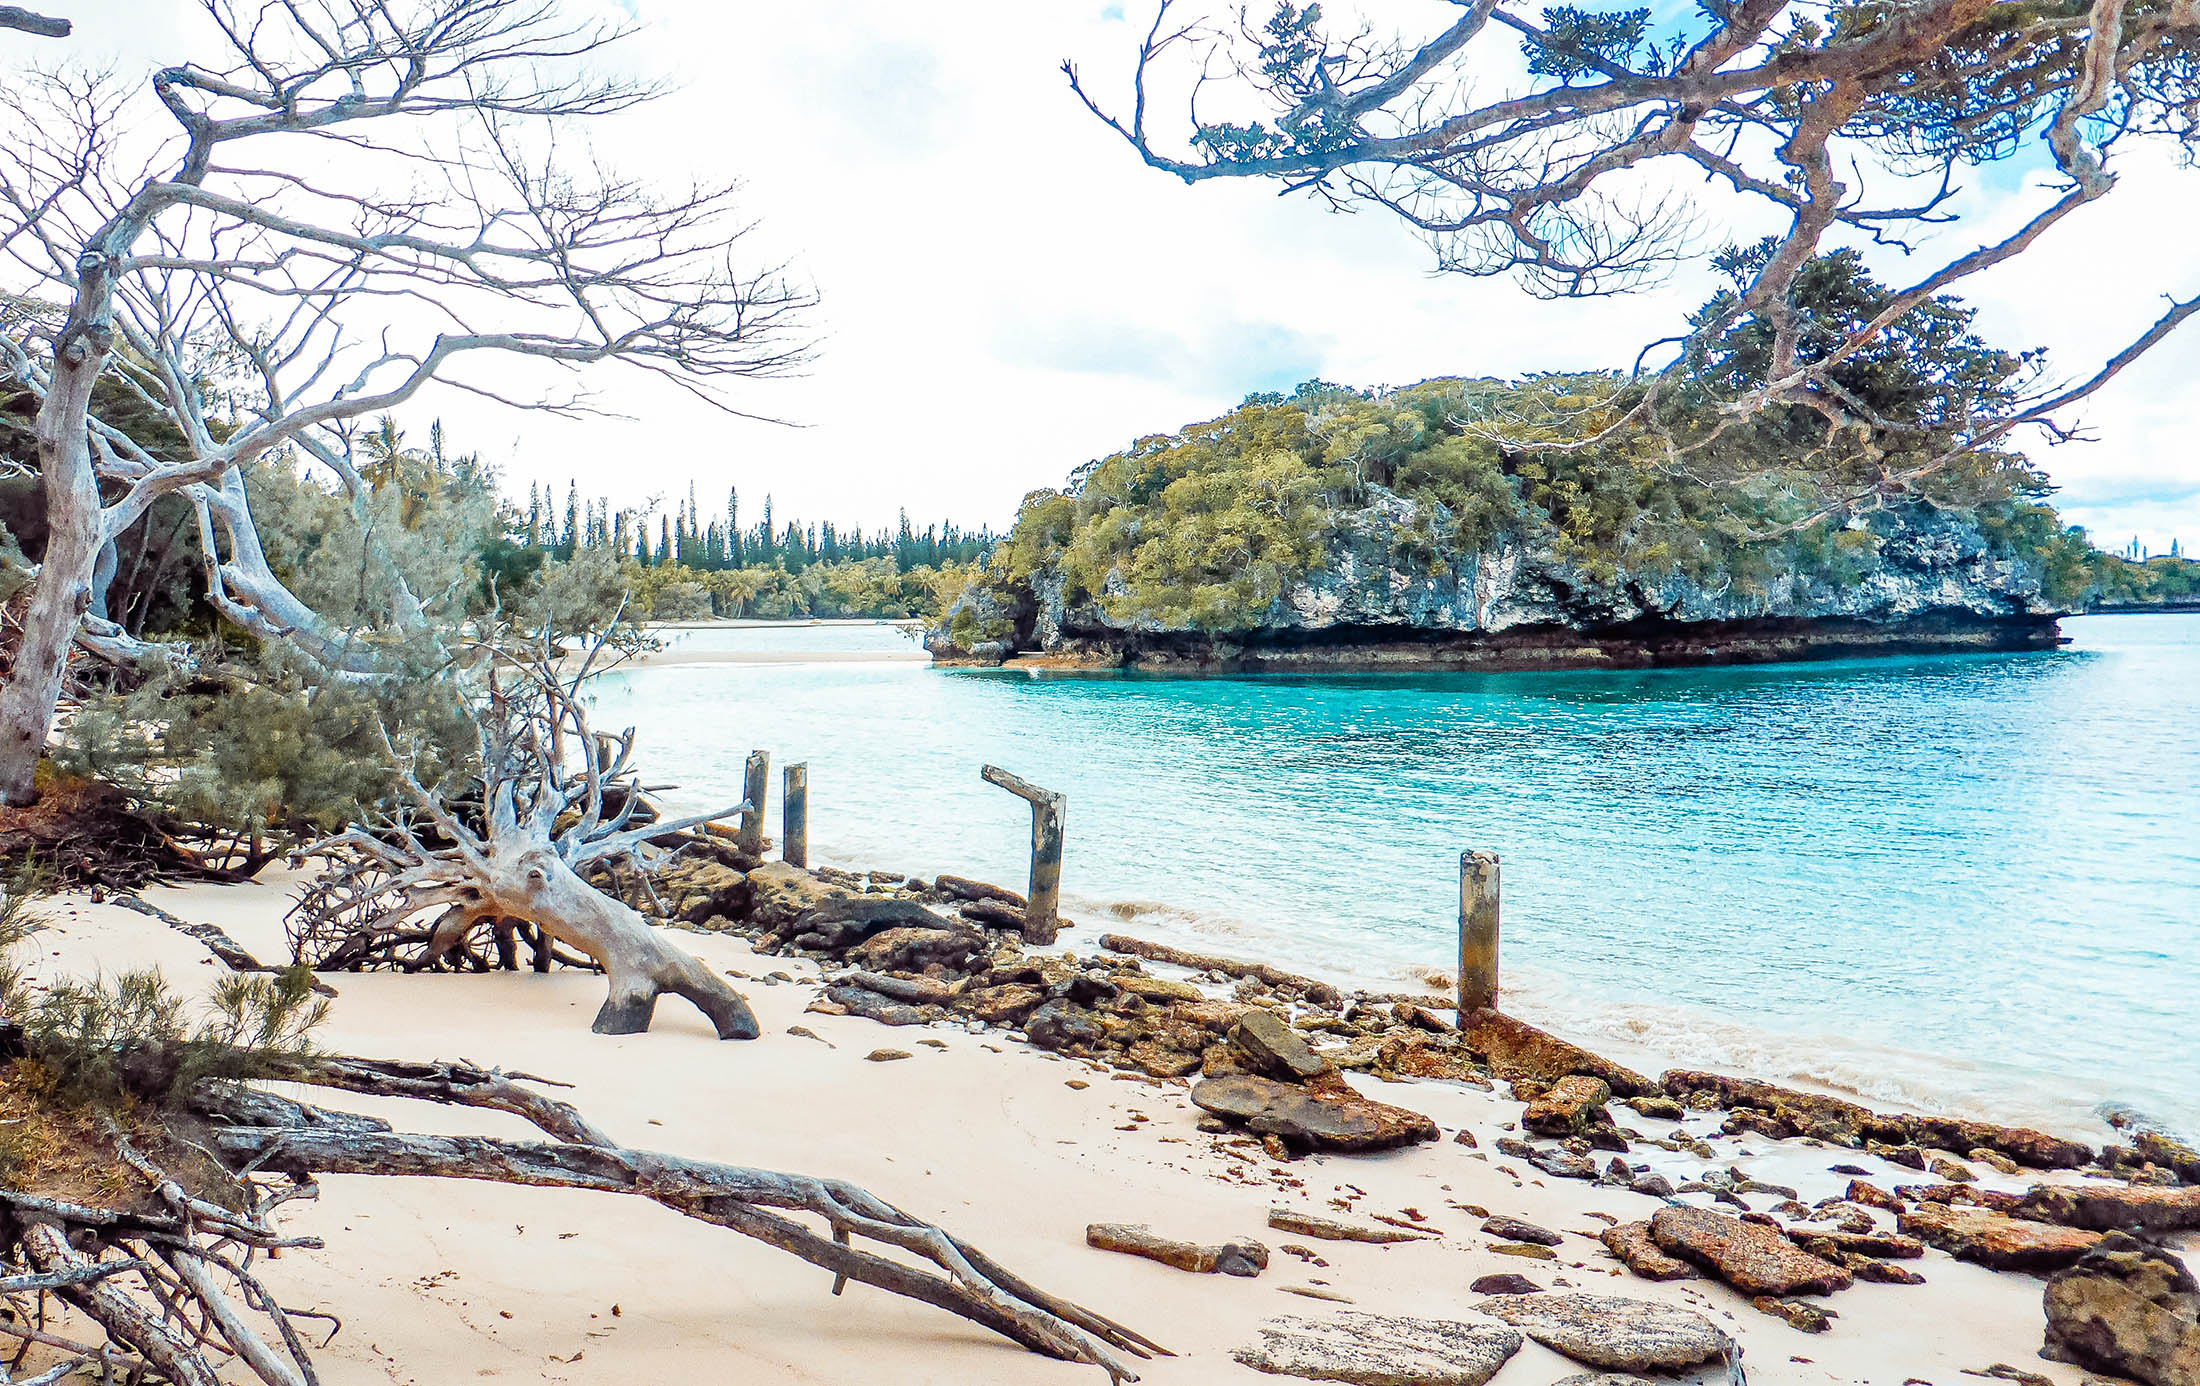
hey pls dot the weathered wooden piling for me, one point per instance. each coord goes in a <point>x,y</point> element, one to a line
<point>1477,932</point>
<point>1042,913</point>
<point>794,816</point>
<point>755,784</point>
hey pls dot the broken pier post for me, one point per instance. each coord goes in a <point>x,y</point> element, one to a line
<point>1477,932</point>
<point>794,834</point>
<point>754,786</point>
<point>1041,914</point>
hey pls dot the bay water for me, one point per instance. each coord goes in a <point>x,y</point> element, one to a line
<point>1958,883</point>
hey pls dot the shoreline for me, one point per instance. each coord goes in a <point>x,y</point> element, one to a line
<point>1014,1147</point>
<point>1520,649</point>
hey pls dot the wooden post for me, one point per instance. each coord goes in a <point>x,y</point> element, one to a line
<point>1042,913</point>
<point>754,785</point>
<point>1477,933</point>
<point>794,833</point>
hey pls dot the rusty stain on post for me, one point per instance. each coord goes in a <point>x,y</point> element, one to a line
<point>794,835</point>
<point>1477,932</point>
<point>1042,915</point>
<point>754,786</point>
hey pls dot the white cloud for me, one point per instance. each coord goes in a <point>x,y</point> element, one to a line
<point>1007,292</point>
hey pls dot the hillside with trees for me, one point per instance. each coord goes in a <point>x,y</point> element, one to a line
<point>1476,507</point>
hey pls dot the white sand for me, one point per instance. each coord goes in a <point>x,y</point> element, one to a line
<point>439,1282</point>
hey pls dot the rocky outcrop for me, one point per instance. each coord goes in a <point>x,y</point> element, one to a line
<point>1320,1117</point>
<point>1606,1331</point>
<point>1995,1240</point>
<point>1515,1049</point>
<point>1383,595</point>
<point>1753,1258</point>
<point>1632,1244</point>
<point>2113,1207</point>
<point>2128,1308</point>
<point>1241,1258</point>
<point>1784,1112</point>
<point>1381,1350</point>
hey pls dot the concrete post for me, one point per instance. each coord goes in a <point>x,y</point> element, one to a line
<point>755,784</point>
<point>1477,932</point>
<point>794,835</point>
<point>1042,919</point>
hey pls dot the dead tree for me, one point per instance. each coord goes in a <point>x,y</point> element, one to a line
<point>1569,177</point>
<point>169,1274</point>
<point>354,199</point>
<point>553,798</point>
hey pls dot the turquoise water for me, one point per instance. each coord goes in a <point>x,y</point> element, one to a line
<point>1963,882</point>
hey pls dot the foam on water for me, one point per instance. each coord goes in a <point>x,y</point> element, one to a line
<point>1969,884</point>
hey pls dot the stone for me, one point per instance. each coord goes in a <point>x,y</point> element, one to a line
<point>1244,1258</point>
<point>1945,1168</point>
<point>1803,1318</point>
<point>883,1056</point>
<point>1060,1025</point>
<point>1312,1117</point>
<point>2161,1148</point>
<point>1995,1161</point>
<point>1552,1160</point>
<point>1506,1284</point>
<point>917,991</point>
<point>1651,1184</point>
<point>872,1006</point>
<point>1569,1108</point>
<point>1381,1350</point>
<point>1515,1049</point>
<point>1516,1230</point>
<point>2112,1207</point>
<point>1418,1056</point>
<point>1632,1244</point>
<point>1608,1331</point>
<point>1908,1156</point>
<point>780,893</point>
<point>1332,1230</point>
<point>1161,1059</point>
<point>1880,1272</point>
<point>1872,1196</point>
<point>1656,1106</point>
<point>2128,1308</point>
<point>1995,1240</point>
<point>2027,1147</point>
<point>1002,1005</point>
<point>962,888</point>
<point>1268,1045</point>
<point>913,948</point>
<point>992,914</point>
<point>1526,1251</point>
<point>1753,1259</point>
<point>1833,1244</point>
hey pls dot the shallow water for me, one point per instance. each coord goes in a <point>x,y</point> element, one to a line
<point>1963,882</point>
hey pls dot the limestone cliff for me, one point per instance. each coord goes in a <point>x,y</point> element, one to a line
<point>1381,596</point>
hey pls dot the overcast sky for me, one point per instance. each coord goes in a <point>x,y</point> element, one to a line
<point>1007,292</point>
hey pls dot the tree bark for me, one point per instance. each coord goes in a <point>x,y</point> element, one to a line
<point>62,591</point>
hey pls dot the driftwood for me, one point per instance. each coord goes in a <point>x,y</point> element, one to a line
<point>556,797</point>
<point>172,1289</point>
<point>1320,992</point>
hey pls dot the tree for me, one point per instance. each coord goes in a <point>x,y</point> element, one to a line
<point>263,301</point>
<point>1555,177</point>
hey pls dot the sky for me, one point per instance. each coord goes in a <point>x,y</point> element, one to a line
<point>1006,292</point>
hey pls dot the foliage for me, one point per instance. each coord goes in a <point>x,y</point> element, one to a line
<point>1204,529</point>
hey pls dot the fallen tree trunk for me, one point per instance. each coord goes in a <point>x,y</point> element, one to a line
<point>307,1142</point>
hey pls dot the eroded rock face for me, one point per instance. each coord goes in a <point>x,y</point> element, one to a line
<point>1755,1259</point>
<point>1331,1117</point>
<point>1381,1350</point>
<point>913,948</point>
<point>2127,1308</point>
<point>1607,1331</point>
<point>1267,1044</point>
<point>1995,1240</point>
<point>2108,1207</point>
<point>1933,580</point>
<point>1571,1107</point>
<point>1515,1049</point>
<point>1632,1244</point>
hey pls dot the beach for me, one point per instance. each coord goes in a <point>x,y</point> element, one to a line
<point>438,1281</point>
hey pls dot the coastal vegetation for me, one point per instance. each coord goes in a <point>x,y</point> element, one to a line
<point>1210,528</point>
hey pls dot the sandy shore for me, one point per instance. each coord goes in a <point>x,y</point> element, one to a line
<point>439,1282</point>
<point>675,656</point>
